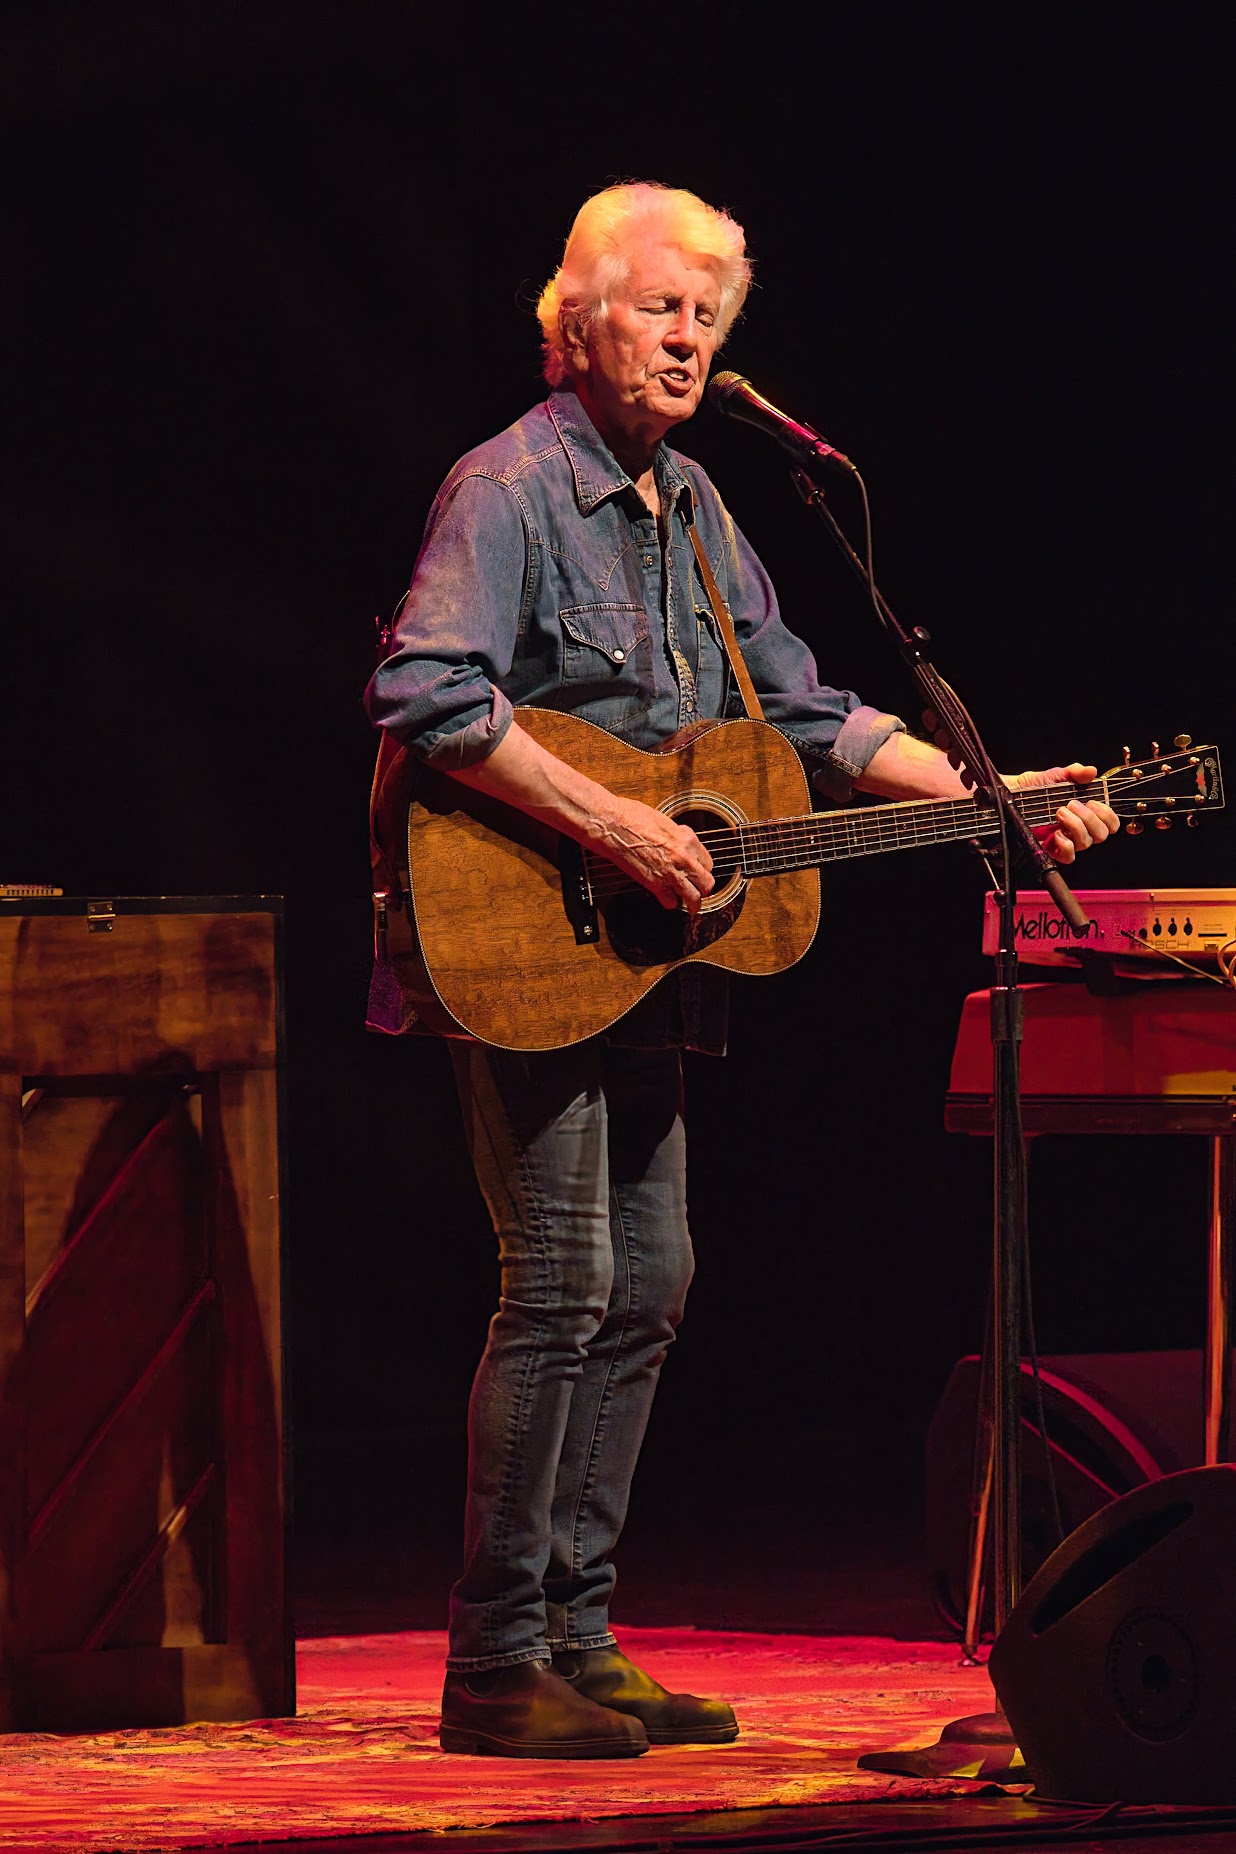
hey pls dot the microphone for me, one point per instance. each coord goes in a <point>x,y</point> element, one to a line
<point>737,398</point>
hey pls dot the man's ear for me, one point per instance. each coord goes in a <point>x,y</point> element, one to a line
<point>574,344</point>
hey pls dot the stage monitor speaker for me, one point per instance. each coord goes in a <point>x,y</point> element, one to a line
<point>1116,1669</point>
<point>1113,1420</point>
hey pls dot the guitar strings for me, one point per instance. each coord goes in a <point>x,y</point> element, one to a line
<point>762,847</point>
<point>781,853</point>
<point>782,845</point>
<point>926,815</point>
<point>1038,805</point>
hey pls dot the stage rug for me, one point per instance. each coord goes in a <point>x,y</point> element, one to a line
<point>362,1754</point>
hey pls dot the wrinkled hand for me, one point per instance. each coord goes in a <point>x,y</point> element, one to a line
<point>665,857</point>
<point>1079,825</point>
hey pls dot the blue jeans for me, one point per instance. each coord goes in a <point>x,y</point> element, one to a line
<point>580,1156</point>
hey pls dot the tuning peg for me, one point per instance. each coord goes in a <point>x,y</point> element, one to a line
<point>1133,828</point>
<point>1154,749</point>
<point>1163,823</point>
<point>1192,820</point>
<point>1183,742</point>
<point>1126,754</point>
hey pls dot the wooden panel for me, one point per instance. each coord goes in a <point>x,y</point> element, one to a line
<point>130,1687</point>
<point>98,1527</point>
<point>240,1121</point>
<point>172,1598</point>
<point>60,1134</point>
<point>12,1391</point>
<point>112,1296</point>
<point>172,992</point>
<point>141,1440</point>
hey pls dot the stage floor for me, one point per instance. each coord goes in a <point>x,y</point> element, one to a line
<point>359,1769</point>
<point>361,1757</point>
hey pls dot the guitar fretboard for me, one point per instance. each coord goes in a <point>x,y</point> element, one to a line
<point>834,836</point>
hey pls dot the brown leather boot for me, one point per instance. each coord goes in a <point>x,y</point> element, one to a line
<point>527,1711</point>
<point>606,1676</point>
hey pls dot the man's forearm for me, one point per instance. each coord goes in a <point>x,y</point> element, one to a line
<point>525,774</point>
<point>908,768</point>
<point>666,857</point>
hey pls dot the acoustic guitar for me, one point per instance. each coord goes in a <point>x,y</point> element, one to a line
<point>533,943</point>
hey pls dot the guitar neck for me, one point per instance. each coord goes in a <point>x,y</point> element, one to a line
<point>777,847</point>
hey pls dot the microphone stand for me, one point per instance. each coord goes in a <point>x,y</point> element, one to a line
<point>982,1745</point>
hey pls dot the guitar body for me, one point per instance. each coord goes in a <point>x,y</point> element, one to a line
<point>524,946</point>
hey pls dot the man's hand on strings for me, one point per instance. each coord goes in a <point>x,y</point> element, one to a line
<point>665,857</point>
<point>1079,824</point>
<point>648,846</point>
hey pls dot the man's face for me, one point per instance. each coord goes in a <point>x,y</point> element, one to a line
<point>648,355</point>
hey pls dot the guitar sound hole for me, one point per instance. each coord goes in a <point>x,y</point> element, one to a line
<point>645,933</point>
<point>721,838</point>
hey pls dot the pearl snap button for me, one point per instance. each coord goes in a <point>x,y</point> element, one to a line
<point>620,656</point>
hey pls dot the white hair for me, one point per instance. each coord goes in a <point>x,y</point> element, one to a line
<point>597,260</point>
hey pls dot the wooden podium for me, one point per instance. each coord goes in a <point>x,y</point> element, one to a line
<point>142,1511</point>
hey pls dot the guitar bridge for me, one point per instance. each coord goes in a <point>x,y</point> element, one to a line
<point>577,896</point>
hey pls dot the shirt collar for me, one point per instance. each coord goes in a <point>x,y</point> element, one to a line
<point>596,470</point>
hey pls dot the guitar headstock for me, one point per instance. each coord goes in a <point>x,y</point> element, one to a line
<point>1167,786</point>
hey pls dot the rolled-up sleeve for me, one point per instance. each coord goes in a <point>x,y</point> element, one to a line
<point>457,629</point>
<point>836,733</point>
<point>859,739</point>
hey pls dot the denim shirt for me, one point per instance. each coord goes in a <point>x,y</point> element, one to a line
<point>543,578</point>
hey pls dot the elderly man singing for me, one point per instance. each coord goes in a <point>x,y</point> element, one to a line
<point>558,570</point>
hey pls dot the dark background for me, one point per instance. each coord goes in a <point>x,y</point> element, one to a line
<point>270,270</point>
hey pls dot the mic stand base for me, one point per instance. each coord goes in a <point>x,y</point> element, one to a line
<point>980,1748</point>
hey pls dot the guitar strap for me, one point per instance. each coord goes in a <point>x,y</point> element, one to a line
<point>725,624</point>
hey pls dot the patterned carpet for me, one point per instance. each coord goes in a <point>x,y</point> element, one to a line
<point>362,1754</point>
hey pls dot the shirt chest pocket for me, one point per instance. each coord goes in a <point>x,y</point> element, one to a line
<point>600,642</point>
